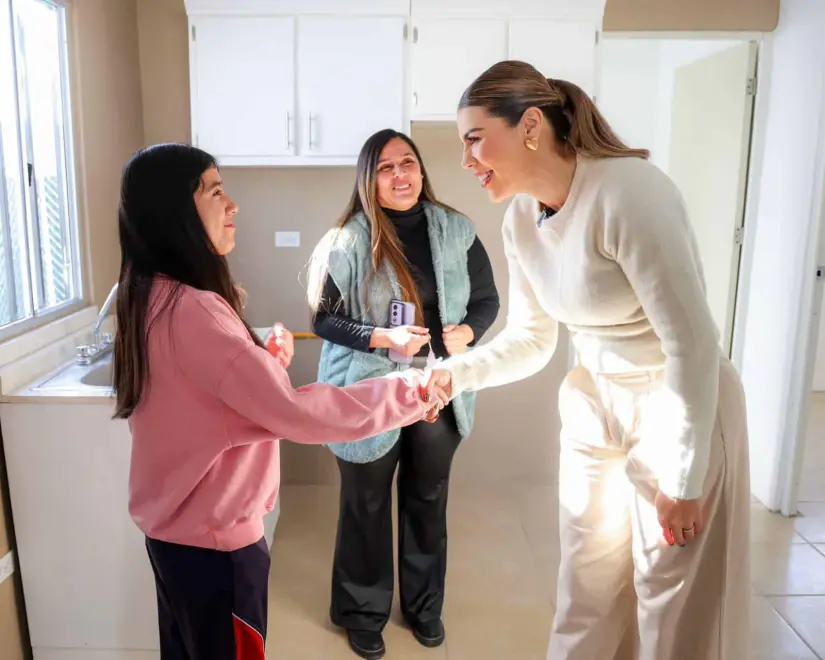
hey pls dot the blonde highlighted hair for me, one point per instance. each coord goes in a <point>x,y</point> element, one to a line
<point>510,88</point>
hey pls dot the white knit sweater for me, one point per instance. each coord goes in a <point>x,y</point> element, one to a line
<point>618,264</point>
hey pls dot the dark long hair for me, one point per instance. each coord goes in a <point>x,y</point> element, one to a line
<point>385,244</point>
<point>161,235</point>
<point>509,88</point>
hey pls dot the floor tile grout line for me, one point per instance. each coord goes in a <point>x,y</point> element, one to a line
<point>791,626</point>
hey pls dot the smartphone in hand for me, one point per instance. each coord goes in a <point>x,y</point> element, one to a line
<point>401,313</point>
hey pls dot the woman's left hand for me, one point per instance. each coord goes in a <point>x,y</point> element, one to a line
<point>681,520</point>
<point>457,337</point>
<point>282,345</point>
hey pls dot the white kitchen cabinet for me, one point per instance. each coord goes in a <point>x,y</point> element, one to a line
<point>289,83</point>
<point>304,7</point>
<point>295,90</point>
<point>564,10</point>
<point>351,75</point>
<point>448,54</point>
<point>559,49</point>
<point>242,87</point>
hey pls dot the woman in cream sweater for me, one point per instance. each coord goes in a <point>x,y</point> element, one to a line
<point>653,482</point>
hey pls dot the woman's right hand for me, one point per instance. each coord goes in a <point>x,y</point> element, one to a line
<point>442,381</point>
<point>434,396</point>
<point>406,339</point>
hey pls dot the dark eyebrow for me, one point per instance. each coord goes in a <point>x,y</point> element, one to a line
<point>384,160</point>
<point>213,185</point>
<point>468,133</point>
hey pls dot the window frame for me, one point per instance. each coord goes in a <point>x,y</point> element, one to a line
<point>34,271</point>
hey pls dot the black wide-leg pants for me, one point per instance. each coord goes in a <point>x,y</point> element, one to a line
<point>362,575</point>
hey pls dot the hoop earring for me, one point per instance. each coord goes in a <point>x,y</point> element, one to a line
<point>532,144</point>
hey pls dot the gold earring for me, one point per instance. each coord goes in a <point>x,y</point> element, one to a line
<point>532,144</point>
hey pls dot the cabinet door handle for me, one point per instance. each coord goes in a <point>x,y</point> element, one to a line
<point>289,131</point>
<point>311,141</point>
<point>415,35</point>
<point>415,99</point>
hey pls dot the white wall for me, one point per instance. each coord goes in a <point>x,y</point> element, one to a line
<point>636,86</point>
<point>775,302</point>
<point>629,88</point>
<point>674,53</point>
<point>819,364</point>
<point>637,95</point>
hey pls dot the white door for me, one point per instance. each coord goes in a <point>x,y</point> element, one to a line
<point>448,54</point>
<point>565,50</point>
<point>709,144</point>
<point>243,76</point>
<point>350,81</point>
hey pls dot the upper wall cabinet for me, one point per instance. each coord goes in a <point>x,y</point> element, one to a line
<point>447,55</point>
<point>302,7</point>
<point>559,10</point>
<point>242,87</point>
<point>273,89</point>
<point>350,82</point>
<point>456,40</point>
<point>306,82</point>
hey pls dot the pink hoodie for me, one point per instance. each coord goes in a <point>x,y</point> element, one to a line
<point>205,454</point>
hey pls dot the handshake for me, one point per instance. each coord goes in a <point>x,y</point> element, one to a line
<point>435,385</point>
<point>436,389</point>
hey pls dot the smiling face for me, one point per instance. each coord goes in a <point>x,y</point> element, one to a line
<point>398,176</point>
<point>217,211</point>
<point>495,152</point>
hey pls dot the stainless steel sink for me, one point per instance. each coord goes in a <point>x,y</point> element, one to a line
<point>79,379</point>
<point>101,375</point>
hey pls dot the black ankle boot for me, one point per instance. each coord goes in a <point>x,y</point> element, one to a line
<point>366,644</point>
<point>429,633</point>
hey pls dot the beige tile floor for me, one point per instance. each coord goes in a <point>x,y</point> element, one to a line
<point>501,578</point>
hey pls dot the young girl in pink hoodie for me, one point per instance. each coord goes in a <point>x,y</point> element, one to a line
<point>207,404</point>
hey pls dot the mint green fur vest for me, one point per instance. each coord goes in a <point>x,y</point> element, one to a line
<point>350,266</point>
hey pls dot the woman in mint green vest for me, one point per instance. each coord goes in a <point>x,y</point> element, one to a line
<point>395,241</point>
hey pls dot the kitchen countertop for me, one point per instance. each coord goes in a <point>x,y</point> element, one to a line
<point>75,383</point>
<point>65,385</point>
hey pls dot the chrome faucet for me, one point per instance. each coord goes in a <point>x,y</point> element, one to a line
<point>102,344</point>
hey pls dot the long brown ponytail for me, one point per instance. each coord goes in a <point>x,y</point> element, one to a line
<point>509,88</point>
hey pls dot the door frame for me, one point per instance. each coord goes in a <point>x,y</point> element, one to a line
<point>734,335</point>
<point>805,341</point>
<point>734,267</point>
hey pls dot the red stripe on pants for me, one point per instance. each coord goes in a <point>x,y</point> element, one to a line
<point>249,644</point>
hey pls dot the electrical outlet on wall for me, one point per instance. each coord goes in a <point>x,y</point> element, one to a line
<point>287,239</point>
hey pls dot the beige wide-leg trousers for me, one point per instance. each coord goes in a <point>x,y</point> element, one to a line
<point>623,592</point>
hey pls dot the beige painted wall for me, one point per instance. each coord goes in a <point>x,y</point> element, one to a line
<point>695,15</point>
<point>108,125</point>
<point>164,70</point>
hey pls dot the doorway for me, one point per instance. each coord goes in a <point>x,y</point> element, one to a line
<point>690,102</point>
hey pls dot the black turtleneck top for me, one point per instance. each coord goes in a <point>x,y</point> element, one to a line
<point>411,227</point>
